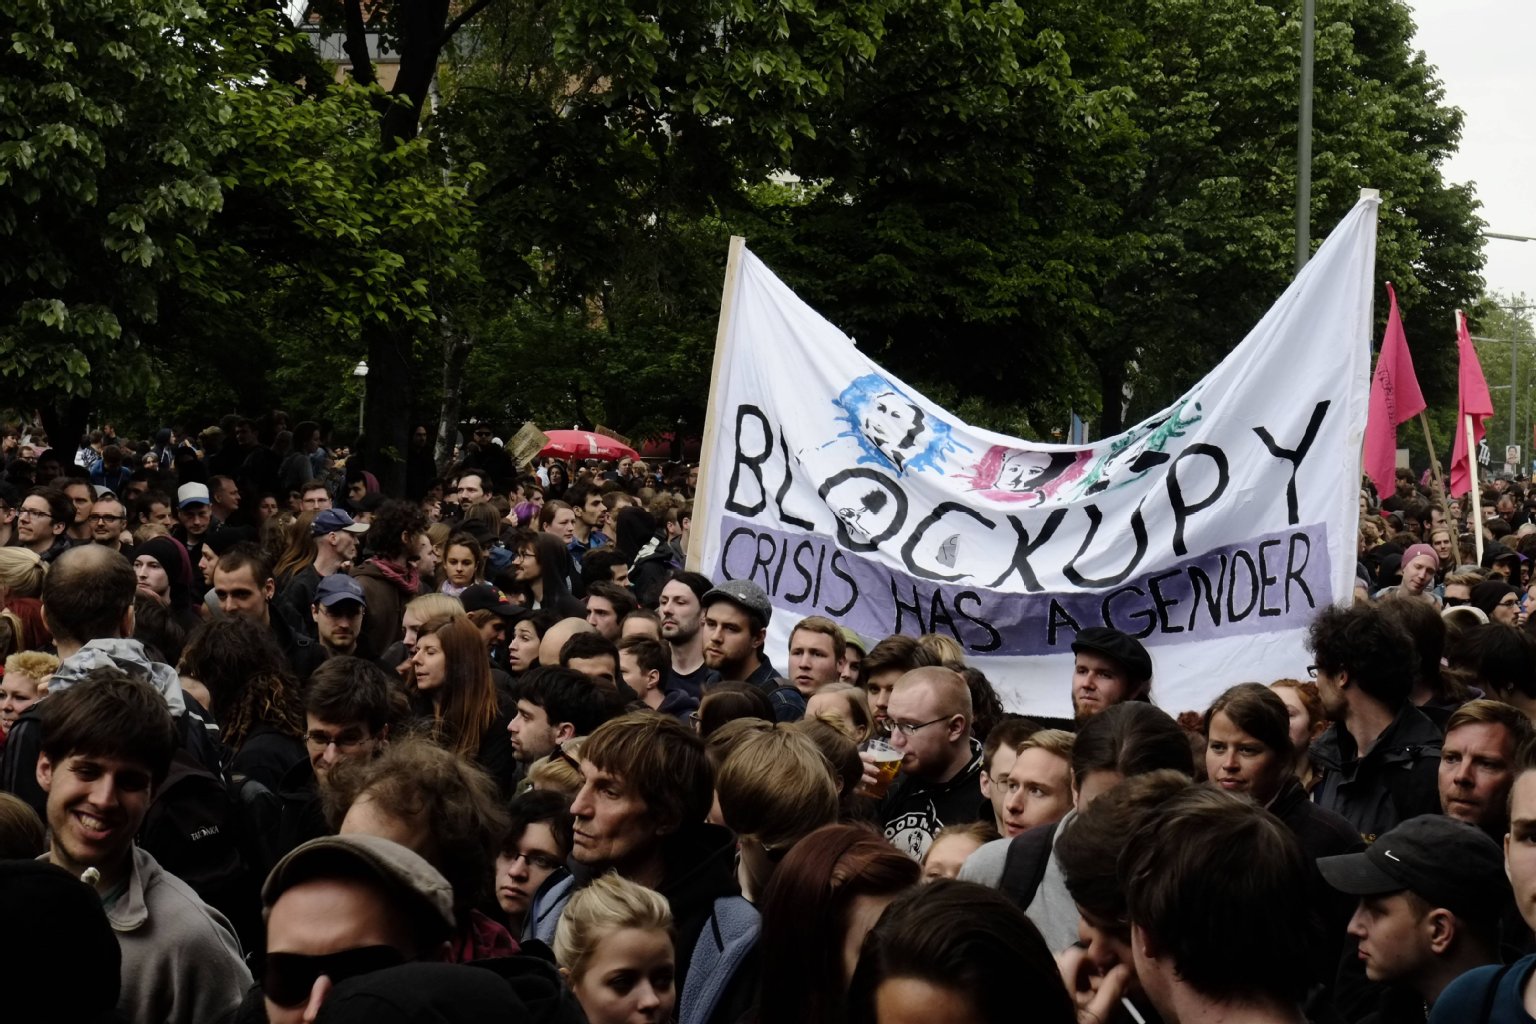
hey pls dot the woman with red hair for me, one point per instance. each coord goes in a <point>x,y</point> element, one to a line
<point>451,684</point>
<point>824,897</point>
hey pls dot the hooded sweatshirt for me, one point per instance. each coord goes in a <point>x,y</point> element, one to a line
<point>199,733</point>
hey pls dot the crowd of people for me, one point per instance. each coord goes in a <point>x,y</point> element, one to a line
<point>277,747</point>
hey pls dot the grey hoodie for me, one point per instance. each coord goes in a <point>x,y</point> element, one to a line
<point>128,655</point>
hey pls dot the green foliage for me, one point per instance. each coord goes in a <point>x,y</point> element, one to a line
<point>1090,204</point>
<point>188,233</point>
<point>109,121</point>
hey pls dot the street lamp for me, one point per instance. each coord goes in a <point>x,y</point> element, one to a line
<point>361,371</point>
<point>1304,138</point>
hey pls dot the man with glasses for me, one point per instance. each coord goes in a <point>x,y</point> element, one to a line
<point>930,717</point>
<point>109,522</point>
<point>1379,762</point>
<point>350,709</point>
<point>45,514</point>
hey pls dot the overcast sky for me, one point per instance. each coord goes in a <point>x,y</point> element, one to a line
<point>1484,51</point>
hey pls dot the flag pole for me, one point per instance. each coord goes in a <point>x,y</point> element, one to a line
<point>1434,463</point>
<point>1477,491</point>
<point>695,552</point>
<point>1475,486</point>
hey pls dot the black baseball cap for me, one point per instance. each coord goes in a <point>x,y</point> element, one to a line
<point>1445,862</point>
<point>486,597</point>
<point>1121,648</point>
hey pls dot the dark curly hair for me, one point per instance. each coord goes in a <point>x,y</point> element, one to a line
<point>1370,646</point>
<point>247,677</point>
<point>395,523</point>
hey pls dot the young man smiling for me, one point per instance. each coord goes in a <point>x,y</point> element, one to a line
<point>107,742</point>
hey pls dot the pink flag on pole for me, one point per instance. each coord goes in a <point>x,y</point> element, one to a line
<point>1395,399</point>
<point>1473,401</point>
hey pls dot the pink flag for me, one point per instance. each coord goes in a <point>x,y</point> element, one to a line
<point>1474,401</point>
<point>1395,398</point>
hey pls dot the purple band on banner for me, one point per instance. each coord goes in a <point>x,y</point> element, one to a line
<point>1270,583</point>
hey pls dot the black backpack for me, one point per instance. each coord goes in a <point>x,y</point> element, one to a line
<point>1029,853</point>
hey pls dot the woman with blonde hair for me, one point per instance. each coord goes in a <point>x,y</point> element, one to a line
<point>21,611</point>
<point>451,685</point>
<point>417,610</point>
<point>614,948</point>
<point>560,771</point>
<point>844,707</point>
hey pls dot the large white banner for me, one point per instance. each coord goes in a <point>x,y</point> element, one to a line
<point>1213,531</point>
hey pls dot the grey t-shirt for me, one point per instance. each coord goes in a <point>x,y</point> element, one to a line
<point>1052,910</point>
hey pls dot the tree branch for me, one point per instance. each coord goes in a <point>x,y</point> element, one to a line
<point>355,43</point>
<point>464,16</point>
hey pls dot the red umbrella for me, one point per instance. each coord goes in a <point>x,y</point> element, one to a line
<point>583,444</point>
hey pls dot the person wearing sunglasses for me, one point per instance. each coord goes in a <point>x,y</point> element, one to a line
<point>343,906</point>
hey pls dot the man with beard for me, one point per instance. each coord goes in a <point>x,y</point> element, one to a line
<point>1109,667</point>
<point>682,614</point>
<point>736,615</point>
<point>338,613</point>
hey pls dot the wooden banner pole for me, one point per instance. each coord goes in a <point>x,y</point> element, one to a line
<point>711,411</point>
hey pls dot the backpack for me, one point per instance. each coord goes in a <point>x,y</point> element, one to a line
<point>209,834</point>
<point>1028,856</point>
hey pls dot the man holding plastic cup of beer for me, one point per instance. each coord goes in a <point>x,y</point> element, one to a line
<point>938,781</point>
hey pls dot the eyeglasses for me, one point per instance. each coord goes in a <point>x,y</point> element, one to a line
<point>560,755</point>
<point>104,520</point>
<point>907,728</point>
<point>535,859</point>
<point>31,513</point>
<point>1509,601</point>
<point>346,743</point>
<point>1456,602</point>
<point>1311,671</point>
<point>290,977</point>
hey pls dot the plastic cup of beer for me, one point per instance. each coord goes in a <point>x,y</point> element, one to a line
<point>887,764</point>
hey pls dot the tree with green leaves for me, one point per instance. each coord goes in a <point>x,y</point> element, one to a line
<point>110,126</point>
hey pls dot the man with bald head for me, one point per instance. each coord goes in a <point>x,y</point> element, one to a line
<point>930,719</point>
<point>555,637</point>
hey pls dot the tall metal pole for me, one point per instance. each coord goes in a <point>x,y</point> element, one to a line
<point>1514,354</point>
<point>1304,139</point>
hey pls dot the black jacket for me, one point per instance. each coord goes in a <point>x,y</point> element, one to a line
<point>914,810</point>
<point>1395,780</point>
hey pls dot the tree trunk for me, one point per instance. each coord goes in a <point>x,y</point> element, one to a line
<point>420,27</point>
<point>386,412</point>
<point>456,346</point>
<point>1111,396</point>
<point>65,422</point>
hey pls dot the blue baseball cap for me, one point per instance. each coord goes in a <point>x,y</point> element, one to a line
<point>334,519</point>
<point>338,587</point>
